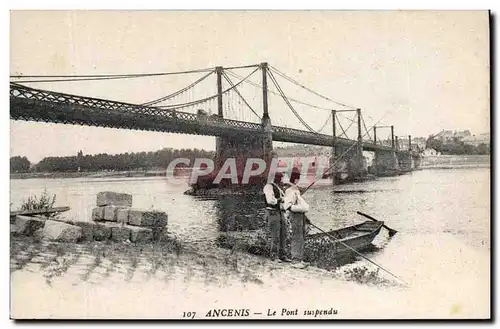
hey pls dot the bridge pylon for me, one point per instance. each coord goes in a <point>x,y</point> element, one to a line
<point>385,162</point>
<point>241,147</point>
<point>348,159</point>
<point>405,158</point>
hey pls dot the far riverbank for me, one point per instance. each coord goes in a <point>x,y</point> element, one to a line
<point>455,161</point>
<point>428,162</point>
<point>89,174</point>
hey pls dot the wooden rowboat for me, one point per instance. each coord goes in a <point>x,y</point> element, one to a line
<point>322,249</point>
<point>326,249</point>
<point>34,212</point>
<point>38,211</point>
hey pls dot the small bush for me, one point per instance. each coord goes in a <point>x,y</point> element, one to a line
<point>45,201</point>
<point>365,276</point>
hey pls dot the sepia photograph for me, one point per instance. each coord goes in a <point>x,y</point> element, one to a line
<point>250,164</point>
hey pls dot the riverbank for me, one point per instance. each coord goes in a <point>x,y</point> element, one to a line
<point>79,174</point>
<point>39,268</point>
<point>455,161</point>
<point>124,281</point>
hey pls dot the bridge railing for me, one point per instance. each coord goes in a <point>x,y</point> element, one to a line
<point>20,91</point>
<point>124,115</point>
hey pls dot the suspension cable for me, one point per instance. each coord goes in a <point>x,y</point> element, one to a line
<point>341,156</point>
<point>176,106</point>
<point>283,75</point>
<point>364,124</point>
<point>159,108</point>
<point>241,67</point>
<point>237,92</point>
<point>288,103</point>
<point>277,94</point>
<point>164,98</point>
<point>106,76</point>
<point>346,117</point>
<point>327,120</point>
<point>78,79</point>
<point>352,122</point>
<point>295,112</point>
<point>257,85</point>
<point>343,131</point>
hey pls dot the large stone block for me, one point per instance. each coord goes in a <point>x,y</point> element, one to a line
<point>114,199</point>
<point>120,233</point>
<point>158,232</point>
<point>87,229</point>
<point>98,214</point>
<point>27,225</point>
<point>101,232</point>
<point>148,218</point>
<point>110,213</point>
<point>140,234</point>
<point>122,216</point>
<point>14,230</point>
<point>38,234</point>
<point>94,231</point>
<point>59,231</point>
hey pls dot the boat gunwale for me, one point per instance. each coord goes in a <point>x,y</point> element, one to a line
<point>349,237</point>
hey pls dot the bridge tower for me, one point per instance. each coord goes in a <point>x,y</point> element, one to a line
<point>405,158</point>
<point>348,158</point>
<point>267,138</point>
<point>220,112</point>
<point>385,161</point>
<point>244,146</point>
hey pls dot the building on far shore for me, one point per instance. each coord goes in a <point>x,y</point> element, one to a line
<point>478,139</point>
<point>446,135</point>
<point>430,152</point>
<point>417,143</point>
<point>302,150</point>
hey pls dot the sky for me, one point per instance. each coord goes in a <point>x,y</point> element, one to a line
<point>422,71</point>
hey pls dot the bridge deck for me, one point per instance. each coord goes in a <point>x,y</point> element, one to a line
<point>40,105</point>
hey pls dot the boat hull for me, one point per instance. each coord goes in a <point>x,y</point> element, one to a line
<point>331,249</point>
<point>322,250</point>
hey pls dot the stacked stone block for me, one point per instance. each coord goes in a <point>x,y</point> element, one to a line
<point>113,219</point>
<point>127,223</point>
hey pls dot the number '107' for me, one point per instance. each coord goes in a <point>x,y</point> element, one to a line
<point>189,315</point>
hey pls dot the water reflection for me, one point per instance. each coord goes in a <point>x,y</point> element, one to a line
<point>431,202</point>
<point>240,212</point>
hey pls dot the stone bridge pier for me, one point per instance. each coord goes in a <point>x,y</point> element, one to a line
<point>232,153</point>
<point>416,161</point>
<point>243,147</point>
<point>385,162</point>
<point>239,149</point>
<point>349,163</point>
<point>405,161</point>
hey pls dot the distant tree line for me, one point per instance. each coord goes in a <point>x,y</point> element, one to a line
<point>455,147</point>
<point>125,161</point>
<point>19,164</point>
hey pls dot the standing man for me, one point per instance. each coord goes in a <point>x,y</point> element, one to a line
<point>279,225</point>
<point>296,207</point>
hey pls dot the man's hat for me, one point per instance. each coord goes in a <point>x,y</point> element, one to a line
<point>278,175</point>
<point>295,175</point>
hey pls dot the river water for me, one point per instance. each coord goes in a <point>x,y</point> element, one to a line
<point>442,216</point>
<point>455,202</point>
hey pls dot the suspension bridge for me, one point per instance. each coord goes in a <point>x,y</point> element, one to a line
<point>237,112</point>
